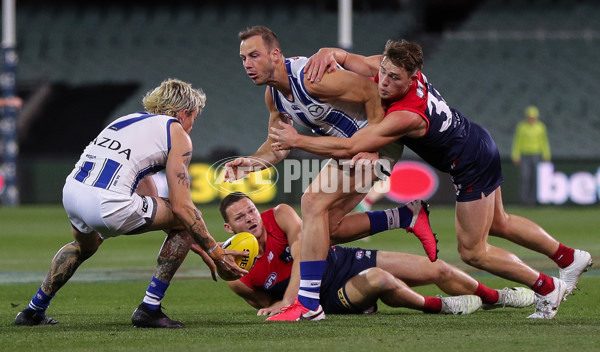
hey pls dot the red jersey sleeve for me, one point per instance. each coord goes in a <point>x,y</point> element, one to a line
<point>273,269</point>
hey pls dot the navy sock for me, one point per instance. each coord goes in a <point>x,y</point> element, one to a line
<point>389,219</point>
<point>155,293</point>
<point>406,216</point>
<point>311,274</point>
<point>40,302</point>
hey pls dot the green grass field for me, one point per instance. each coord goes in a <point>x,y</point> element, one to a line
<point>94,309</point>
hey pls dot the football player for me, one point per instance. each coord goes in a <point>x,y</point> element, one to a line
<point>417,116</point>
<point>354,279</point>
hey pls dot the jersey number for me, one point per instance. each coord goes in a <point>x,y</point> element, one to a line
<point>437,106</point>
<point>105,177</point>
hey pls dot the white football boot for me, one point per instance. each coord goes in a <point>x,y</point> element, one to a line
<point>582,261</point>
<point>460,305</point>
<point>546,306</point>
<point>515,297</point>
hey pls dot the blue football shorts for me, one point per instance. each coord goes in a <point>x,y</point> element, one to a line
<point>480,168</point>
<point>343,263</point>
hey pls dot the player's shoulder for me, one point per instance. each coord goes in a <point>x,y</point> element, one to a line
<point>143,115</point>
<point>177,134</point>
<point>285,216</point>
<point>296,62</point>
<point>295,66</point>
<point>282,210</point>
<point>133,115</point>
<point>141,121</point>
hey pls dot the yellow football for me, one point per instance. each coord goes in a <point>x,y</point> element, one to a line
<point>243,242</point>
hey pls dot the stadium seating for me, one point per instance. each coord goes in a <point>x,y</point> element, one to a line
<point>510,54</point>
<point>506,55</point>
<point>145,44</point>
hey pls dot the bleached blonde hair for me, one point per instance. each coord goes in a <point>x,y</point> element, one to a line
<point>173,96</point>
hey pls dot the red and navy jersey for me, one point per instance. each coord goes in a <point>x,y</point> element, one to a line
<point>448,131</point>
<point>271,272</point>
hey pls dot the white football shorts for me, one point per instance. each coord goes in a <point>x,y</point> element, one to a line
<point>109,213</point>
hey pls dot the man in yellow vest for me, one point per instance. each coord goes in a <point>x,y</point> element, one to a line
<point>530,146</point>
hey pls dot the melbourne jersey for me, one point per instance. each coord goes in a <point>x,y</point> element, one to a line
<point>338,119</point>
<point>271,272</point>
<point>448,130</point>
<point>130,148</point>
<point>452,143</point>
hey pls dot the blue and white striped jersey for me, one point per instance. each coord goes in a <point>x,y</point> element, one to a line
<point>127,150</point>
<point>337,119</point>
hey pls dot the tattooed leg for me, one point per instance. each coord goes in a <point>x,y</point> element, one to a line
<point>172,254</point>
<point>67,260</point>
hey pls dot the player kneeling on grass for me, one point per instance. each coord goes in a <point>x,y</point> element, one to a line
<point>355,279</point>
<point>101,201</point>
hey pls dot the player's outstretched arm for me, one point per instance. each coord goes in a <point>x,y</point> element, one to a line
<point>347,86</point>
<point>184,209</point>
<point>368,139</point>
<point>327,59</point>
<point>265,151</point>
<point>265,156</point>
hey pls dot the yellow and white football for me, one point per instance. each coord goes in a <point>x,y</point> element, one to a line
<point>243,242</point>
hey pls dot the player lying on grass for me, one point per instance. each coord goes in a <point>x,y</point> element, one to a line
<point>417,116</point>
<point>101,201</point>
<point>354,278</point>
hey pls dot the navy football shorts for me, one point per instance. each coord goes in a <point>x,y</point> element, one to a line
<point>343,263</point>
<point>480,168</point>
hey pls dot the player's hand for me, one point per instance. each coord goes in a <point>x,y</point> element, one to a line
<point>227,268</point>
<point>275,308</point>
<point>285,137</point>
<point>237,168</point>
<point>269,311</point>
<point>321,62</point>
<point>206,258</point>
<point>364,159</point>
<point>371,160</point>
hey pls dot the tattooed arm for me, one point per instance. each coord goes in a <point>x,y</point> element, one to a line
<point>178,180</point>
<point>184,209</point>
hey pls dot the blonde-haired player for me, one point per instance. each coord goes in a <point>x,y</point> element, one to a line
<point>108,194</point>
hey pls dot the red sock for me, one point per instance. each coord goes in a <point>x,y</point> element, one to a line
<point>543,285</point>
<point>432,305</point>
<point>487,295</point>
<point>563,256</point>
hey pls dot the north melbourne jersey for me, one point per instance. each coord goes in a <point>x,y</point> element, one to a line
<point>130,148</point>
